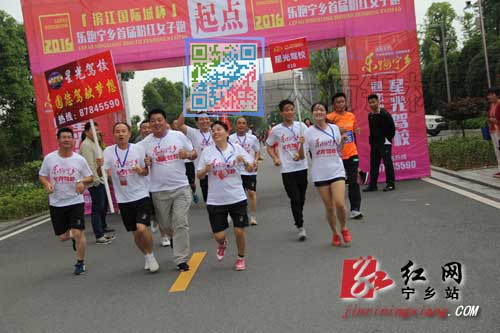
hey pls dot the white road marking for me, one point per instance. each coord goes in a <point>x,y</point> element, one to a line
<point>24,229</point>
<point>467,194</point>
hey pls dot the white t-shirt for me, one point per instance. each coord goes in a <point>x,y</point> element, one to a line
<point>250,143</point>
<point>167,172</point>
<point>324,147</point>
<point>62,173</point>
<point>199,140</point>
<point>288,145</point>
<point>224,181</point>
<point>128,185</point>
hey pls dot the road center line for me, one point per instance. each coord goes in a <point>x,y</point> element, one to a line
<point>467,194</point>
<point>24,229</point>
<point>184,278</point>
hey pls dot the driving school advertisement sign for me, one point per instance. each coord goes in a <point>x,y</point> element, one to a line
<point>289,55</point>
<point>84,89</point>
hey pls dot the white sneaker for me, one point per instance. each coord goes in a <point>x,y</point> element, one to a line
<point>153,264</point>
<point>146,264</point>
<point>356,215</point>
<point>165,241</point>
<point>253,220</point>
<point>302,234</point>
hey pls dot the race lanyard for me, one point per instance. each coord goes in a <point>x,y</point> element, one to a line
<point>226,160</point>
<point>122,164</point>
<point>159,141</point>
<point>205,141</point>
<point>241,143</point>
<point>325,132</point>
<point>290,129</point>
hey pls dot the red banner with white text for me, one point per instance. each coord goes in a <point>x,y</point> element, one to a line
<point>389,65</point>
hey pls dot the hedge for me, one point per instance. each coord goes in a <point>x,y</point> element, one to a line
<point>23,203</point>
<point>457,153</point>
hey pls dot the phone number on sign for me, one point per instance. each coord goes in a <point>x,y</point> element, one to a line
<point>405,165</point>
<point>103,106</point>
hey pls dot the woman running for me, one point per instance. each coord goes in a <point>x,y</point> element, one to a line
<point>223,163</point>
<point>325,143</point>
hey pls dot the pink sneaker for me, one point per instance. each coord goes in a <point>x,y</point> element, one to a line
<point>347,236</point>
<point>240,264</point>
<point>336,240</point>
<point>221,249</point>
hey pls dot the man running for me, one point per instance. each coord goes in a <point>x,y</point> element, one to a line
<point>166,151</point>
<point>64,175</point>
<point>128,173</point>
<point>250,143</point>
<point>201,139</point>
<point>347,123</point>
<point>289,137</point>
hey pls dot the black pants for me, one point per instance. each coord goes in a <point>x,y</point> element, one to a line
<point>295,184</point>
<point>351,172</point>
<point>204,188</point>
<point>377,153</point>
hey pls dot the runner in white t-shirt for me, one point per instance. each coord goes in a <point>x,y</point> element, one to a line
<point>64,175</point>
<point>250,143</point>
<point>166,151</point>
<point>325,143</point>
<point>129,173</point>
<point>200,137</point>
<point>223,164</point>
<point>289,136</point>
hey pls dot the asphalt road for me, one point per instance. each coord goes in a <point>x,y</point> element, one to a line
<point>288,286</point>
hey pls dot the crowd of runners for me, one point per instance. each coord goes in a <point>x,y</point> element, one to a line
<point>154,178</point>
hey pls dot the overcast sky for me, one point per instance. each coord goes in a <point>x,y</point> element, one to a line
<point>134,87</point>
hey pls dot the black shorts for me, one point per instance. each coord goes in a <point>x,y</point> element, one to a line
<point>218,216</point>
<point>190,172</point>
<point>328,182</point>
<point>249,182</point>
<point>136,212</point>
<point>67,217</point>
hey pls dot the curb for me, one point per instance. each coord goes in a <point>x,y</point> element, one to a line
<point>457,175</point>
<point>24,223</point>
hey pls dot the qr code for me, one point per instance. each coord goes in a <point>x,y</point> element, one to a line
<point>223,77</point>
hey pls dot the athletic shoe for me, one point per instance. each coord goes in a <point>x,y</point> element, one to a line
<point>240,264</point>
<point>355,215</point>
<point>302,234</point>
<point>389,188</point>
<point>183,267</point>
<point>154,227</point>
<point>253,221</point>
<point>110,237</point>
<point>103,241</point>
<point>165,241</point>
<point>370,189</point>
<point>221,250</point>
<point>196,199</point>
<point>146,264</point>
<point>347,236</point>
<point>336,240</point>
<point>79,268</point>
<point>497,175</point>
<point>153,264</point>
<point>73,244</point>
<point>106,230</point>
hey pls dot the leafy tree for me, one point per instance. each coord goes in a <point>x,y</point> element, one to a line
<point>164,94</point>
<point>464,108</point>
<point>135,126</point>
<point>18,125</point>
<point>127,76</point>
<point>439,14</point>
<point>326,69</point>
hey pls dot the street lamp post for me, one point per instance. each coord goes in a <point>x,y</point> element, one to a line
<point>479,5</point>
<point>445,58</point>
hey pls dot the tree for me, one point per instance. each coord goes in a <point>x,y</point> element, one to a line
<point>135,127</point>
<point>127,76</point>
<point>439,14</point>
<point>464,108</point>
<point>18,125</point>
<point>164,94</point>
<point>325,67</point>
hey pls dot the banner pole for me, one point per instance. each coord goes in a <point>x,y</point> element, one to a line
<point>104,174</point>
<point>297,103</point>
